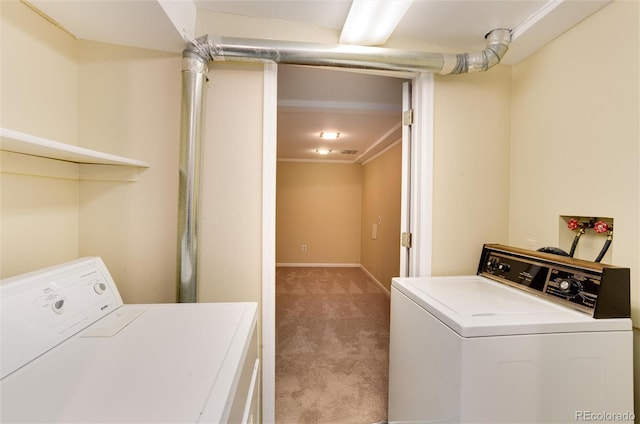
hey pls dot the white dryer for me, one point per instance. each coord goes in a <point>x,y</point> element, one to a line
<point>533,338</point>
<point>72,352</point>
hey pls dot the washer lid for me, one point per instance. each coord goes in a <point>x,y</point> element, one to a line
<point>475,306</point>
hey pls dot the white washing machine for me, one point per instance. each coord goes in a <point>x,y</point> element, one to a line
<point>72,352</point>
<point>533,338</point>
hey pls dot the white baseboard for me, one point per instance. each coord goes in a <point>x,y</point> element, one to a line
<point>334,265</point>
<point>387,292</point>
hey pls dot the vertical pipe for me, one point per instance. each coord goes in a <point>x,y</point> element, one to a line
<point>194,76</point>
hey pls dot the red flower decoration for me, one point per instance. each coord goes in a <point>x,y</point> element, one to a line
<point>573,224</point>
<point>601,227</point>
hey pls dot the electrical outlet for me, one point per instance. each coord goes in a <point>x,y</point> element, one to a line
<point>303,247</point>
<point>531,244</point>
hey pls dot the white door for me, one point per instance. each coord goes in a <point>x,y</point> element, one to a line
<point>417,177</point>
<point>405,207</point>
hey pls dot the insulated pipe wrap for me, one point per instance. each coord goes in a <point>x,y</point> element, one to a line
<point>194,74</point>
<point>350,56</point>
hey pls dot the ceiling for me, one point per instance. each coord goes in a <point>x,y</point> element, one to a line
<point>365,109</point>
<point>456,24</point>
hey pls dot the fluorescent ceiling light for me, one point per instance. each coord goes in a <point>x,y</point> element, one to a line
<point>371,22</point>
<point>323,151</point>
<point>326,135</point>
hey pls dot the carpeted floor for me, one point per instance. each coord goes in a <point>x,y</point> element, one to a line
<point>332,347</point>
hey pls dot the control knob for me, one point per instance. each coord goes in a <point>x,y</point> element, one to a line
<point>570,287</point>
<point>504,267</point>
<point>58,306</point>
<point>492,263</point>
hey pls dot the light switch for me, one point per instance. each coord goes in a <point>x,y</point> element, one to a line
<point>374,231</point>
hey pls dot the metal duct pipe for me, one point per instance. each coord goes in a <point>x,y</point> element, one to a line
<point>350,56</point>
<point>194,75</point>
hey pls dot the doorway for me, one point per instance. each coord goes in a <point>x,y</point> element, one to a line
<point>328,202</point>
<point>338,229</point>
<point>419,202</point>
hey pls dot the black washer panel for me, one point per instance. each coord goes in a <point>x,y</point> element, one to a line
<point>598,289</point>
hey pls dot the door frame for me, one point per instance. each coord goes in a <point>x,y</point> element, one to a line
<point>420,208</point>
<point>421,175</point>
<point>269,166</point>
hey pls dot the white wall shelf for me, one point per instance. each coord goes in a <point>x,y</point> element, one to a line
<point>17,142</point>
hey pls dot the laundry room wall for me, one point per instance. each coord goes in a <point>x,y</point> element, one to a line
<point>38,197</point>
<point>575,139</point>
<point>231,266</point>
<point>230,225</point>
<point>129,105</point>
<point>471,167</point>
<point>318,205</point>
<point>113,99</point>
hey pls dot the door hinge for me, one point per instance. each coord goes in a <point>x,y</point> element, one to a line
<point>406,239</point>
<point>407,117</point>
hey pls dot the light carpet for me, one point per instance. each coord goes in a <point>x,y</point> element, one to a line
<point>332,347</point>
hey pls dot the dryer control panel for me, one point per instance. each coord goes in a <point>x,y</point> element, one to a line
<point>43,308</point>
<point>603,291</point>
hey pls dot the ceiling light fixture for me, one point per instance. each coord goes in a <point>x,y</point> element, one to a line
<point>371,22</point>
<point>323,151</point>
<point>329,135</point>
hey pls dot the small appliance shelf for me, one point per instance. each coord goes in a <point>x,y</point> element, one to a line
<point>17,142</point>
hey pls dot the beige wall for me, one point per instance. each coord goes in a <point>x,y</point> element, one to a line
<point>576,138</point>
<point>230,233</point>
<point>118,100</point>
<point>39,214</point>
<point>39,217</point>
<point>381,199</point>
<point>129,105</point>
<point>319,205</point>
<point>331,208</point>
<point>39,93</point>
<point>471,168</point>
<point>575,135</point>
